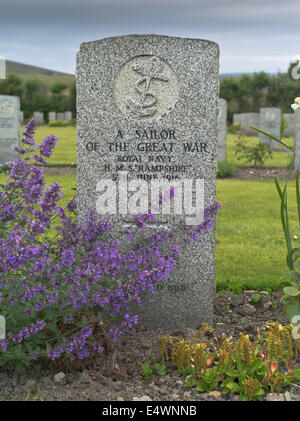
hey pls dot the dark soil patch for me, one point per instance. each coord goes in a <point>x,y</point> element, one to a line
<point>243,173</point>
<point>116,375</point>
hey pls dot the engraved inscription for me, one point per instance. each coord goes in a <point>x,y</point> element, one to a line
<point>146,87</point>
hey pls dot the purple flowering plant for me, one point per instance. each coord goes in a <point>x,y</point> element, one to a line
<point>57,289</point>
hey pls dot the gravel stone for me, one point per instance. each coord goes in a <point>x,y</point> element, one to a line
<point>59,377</point>
<point>275,397</point>
<point>247,310</point>
<point>142,398</point>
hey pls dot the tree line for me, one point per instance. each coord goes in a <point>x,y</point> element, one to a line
<point>250,92</point>
<point>246,93</point>
<point>38,96</point>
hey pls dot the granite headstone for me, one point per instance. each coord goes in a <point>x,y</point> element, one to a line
<point>269,122</point>
<point>290,124</point>
<point>297,140</point>
<point>246,120</point>
<point>68,115</point>
<point>9,127</point>
<point>21,117</point>
<point>252,120</point>
<point>147,111</point>
<point>222,130</point>
<point>60,116</point>
<point>51,116</point>
<point>39,117</point>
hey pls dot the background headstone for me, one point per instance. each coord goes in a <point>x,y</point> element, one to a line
<point>21,117</point>
<point>237,118</point>
<point>9,127</point>
<point>297,140</point>
<point>139,90</point>
<point>68,115</point>
<point>222,130</point>
<point>290,121</point>
<point>243,122</point>
<point>269,122</point>
<point>60,116</point>
<point>251,119</point>
<point>51,116</point>
<point>39,117</point>
<point>246,120</point>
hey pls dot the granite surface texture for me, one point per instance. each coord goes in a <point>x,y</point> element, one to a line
<point>147,111</point>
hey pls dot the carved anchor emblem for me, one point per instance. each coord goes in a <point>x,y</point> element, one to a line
<point>152,70</point>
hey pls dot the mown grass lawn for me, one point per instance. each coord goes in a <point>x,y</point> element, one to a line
<point>66,148</point>
<point>251,248</point>
<point>65,151</point>
<point>278,159</point>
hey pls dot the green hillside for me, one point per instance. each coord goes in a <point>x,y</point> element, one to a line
<point>48,77</point>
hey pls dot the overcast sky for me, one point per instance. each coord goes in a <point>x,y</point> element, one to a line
<point>253,35</point>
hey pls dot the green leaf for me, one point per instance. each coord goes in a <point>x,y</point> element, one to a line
<point>255,298</point>
<point>285,218</point>
<point>297,265</point>
<point>233,373</point>
<point>278,188</point>
<point>270,136</point>
<point>191,382</point>
<point>292,291</point>
<point>292,308</point>
<point>295,254</point>
<point>256,365</point>
<point>294,275</point>
<point>233,387</point>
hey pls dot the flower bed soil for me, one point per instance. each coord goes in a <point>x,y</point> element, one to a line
<point>116,374</point>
